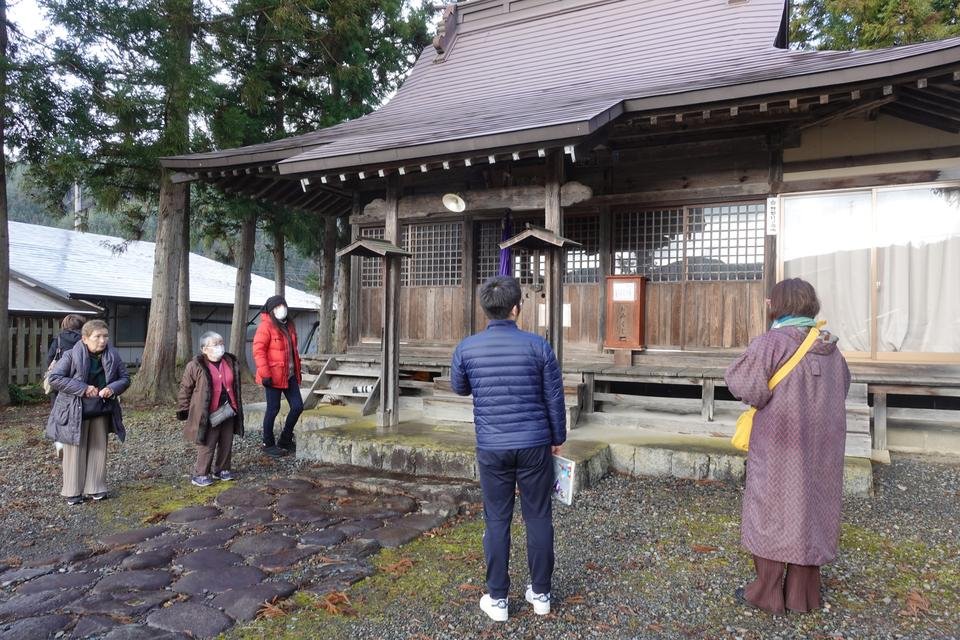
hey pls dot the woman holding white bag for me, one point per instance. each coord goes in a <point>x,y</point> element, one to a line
<point>210,402</point>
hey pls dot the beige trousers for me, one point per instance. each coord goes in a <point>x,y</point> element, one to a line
<point>85,465</point>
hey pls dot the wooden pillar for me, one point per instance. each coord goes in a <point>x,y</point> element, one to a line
<point>354,310</point>
<point>553,221</point>
<point>606,269</point>
<point>388,414</point>
<point>469,276</point>
<point>770,241</point>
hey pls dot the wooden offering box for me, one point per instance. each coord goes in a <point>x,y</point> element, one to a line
<point>625,308</point>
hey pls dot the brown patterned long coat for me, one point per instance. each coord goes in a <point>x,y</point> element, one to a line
<point>792,500</point>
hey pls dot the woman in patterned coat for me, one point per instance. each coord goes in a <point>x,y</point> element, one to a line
<point>794,487</point>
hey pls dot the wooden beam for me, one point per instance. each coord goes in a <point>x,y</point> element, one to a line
<point>844,162</point>
<point>606,268</point>
<point>553,221</point>
<point>527,198</point>
<point>923,118</point>
<point>828,184</point>
<point>387,414</point>
<point>666,196</point>
<point>845,112</point>
<point>469,276</point>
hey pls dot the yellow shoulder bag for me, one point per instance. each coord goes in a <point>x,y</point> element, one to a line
<point>741,437</point>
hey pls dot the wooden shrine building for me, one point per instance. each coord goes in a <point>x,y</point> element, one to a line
<point>679,141</point>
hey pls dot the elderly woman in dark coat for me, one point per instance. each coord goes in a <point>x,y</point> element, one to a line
<point>209,394</point>
<point>792,500</point>
<point>88,379</point>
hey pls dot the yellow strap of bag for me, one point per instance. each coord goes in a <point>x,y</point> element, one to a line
<point>741,437</point>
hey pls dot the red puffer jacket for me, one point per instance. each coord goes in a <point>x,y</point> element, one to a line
<point>271,352</point>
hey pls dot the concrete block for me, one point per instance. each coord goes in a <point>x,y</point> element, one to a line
<point>857,477</point>
<point>727,468</point>
<point>653,461</point>
<point>622,458</point>
<point>689,464</point>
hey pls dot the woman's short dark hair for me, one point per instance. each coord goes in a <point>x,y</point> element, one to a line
<point>793,297</point>
<point>72,322</point>
<point>498,296</point>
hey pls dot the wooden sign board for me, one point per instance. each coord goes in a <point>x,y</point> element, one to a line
<point>626,296</point>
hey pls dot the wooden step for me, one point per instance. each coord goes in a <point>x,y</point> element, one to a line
<point>338,393</point>
<point>354,372</point>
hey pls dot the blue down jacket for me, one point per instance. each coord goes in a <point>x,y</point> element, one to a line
<point>516,384</point>
<point>69,377</point>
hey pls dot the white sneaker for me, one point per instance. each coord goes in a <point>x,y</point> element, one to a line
<point>540,601</point>
<point>496,609</point>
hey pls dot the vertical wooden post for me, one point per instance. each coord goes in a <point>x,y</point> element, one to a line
<point>469,276</point>
<point>553,220</point>
<point>770,242</point>
<point>879,421</point>
<point>354,324</point>
<point>387,414</point>
<point>606,269</point>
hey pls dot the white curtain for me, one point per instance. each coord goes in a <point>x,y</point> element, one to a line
<point>826,241</point>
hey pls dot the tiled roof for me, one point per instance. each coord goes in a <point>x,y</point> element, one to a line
<point>85,265</point>
<point>564,68</point>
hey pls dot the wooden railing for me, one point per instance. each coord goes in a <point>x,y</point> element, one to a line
<point>29,339</point>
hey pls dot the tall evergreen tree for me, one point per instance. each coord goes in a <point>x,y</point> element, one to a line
<point>139,67</point>
<point>295,66</point>
<point>871,24</point>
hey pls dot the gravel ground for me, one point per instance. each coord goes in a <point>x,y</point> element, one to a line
<point>636,558</point>
<point>151,469</point>
<point>660,558</point>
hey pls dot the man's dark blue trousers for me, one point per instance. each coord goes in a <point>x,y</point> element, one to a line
<point>500,473</point>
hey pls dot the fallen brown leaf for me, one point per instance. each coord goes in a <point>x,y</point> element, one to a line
<point>915,603</point>
<point>655,626</point>
<point>466,586</point>
<point>399,567</point>
<point>592,566</point>
<point>572,600</point>
<point>704,548</point>
<point>269,610</point>
<point>337,603</point>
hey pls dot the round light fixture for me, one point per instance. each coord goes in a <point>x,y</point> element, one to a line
<point>453,202</point>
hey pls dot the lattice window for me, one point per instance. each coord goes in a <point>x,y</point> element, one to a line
<point>488,250</point>
<point>582,264</point>
<point>371,269</point>
<point>437,250</point>
<point>726,242</point>
<point>649,243</point>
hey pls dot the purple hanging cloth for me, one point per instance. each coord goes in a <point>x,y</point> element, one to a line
<point>506,232</point>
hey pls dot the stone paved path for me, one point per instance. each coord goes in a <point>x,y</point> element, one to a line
<point>205,568</point>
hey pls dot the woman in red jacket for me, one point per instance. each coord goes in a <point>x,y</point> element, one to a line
<point>278,370</point>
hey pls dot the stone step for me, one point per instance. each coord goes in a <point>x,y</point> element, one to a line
<point>447,449</point>
<point>456,408</point>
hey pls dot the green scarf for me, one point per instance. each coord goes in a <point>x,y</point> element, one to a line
<point>793,321</point>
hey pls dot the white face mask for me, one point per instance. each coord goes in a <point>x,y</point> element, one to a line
<point>280,312</point>
<point>215,352</point>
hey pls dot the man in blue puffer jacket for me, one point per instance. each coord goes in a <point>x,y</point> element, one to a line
<point>520,418</point>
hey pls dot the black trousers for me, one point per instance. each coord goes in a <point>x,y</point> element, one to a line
<point>500,473</point>
<point>294,399</point>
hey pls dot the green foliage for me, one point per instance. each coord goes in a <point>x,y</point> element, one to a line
<point>871,24</point>
<point>27,394</point>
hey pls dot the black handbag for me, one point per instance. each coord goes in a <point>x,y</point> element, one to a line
<point>96,407</point>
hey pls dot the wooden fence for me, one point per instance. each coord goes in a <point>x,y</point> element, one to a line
<point>29,339</point>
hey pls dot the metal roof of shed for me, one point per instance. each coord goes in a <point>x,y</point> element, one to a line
<point>27,298</point>
<point>85,266</point>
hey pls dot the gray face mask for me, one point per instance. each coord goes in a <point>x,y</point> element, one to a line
<point>215,353</point>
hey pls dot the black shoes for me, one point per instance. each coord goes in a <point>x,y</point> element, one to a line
<point>275,452</point>
<point>74,500</point>
<point>290,447</point>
